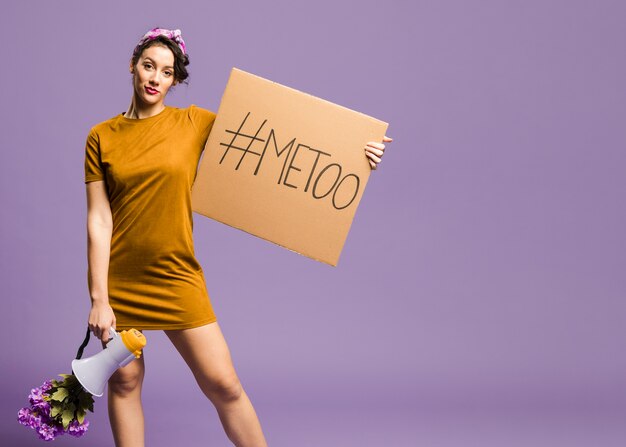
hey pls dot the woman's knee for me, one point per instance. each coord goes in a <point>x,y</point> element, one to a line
<point>224,388</point>
<point>128,379</point>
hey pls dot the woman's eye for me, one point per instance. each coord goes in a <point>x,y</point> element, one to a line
<point>168,73</point>
<point>146,66</point>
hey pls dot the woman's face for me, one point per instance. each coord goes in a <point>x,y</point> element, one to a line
<point>153,74</point>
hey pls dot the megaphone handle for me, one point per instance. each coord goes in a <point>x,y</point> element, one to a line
<point>79,354</point>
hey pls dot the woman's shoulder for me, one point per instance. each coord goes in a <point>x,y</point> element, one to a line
<point>103,126</point>
<point>200,117</point>
<point>198,111</point>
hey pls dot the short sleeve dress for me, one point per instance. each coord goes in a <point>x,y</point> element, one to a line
<point>149,166</point>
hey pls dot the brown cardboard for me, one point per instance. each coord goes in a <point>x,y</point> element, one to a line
<point>303,199</point>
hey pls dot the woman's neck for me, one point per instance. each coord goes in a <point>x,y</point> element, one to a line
<point>139,110</point>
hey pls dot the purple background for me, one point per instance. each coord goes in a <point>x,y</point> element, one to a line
<point>479,299</point>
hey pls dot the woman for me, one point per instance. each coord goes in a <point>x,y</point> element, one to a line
<point>142,272</point>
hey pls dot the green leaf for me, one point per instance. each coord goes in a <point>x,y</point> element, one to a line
<point>71,381</point>
<point>67,418</point>
<point>85,401</point>
<point>55,404</point>
<point>55,411</point>
<point>80,415</point>
<point>60,394</point>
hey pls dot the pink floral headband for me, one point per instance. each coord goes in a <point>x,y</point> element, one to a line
<point>174,34</point>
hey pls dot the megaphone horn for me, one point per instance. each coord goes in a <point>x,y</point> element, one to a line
<point>94,372</point>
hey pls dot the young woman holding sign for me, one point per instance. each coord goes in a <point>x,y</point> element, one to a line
<point>142,270</point>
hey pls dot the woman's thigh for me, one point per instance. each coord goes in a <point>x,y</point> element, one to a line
<point>205,351</point>
<point>127,378</point>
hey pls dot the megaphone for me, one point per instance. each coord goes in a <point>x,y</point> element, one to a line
<point>94,372</point>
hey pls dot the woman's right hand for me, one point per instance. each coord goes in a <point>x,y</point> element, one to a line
<point>101,318</point>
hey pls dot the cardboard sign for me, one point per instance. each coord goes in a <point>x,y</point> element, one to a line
<point>285,166</point>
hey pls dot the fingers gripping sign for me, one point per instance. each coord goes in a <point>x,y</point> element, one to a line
<point>374,151</point>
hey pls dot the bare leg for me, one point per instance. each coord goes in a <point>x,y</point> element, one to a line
<point>206,353</point>
<point>124,401</point>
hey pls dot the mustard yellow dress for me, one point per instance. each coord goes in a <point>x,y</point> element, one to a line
<point>149,166</point>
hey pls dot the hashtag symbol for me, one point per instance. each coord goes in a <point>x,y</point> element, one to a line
<point>244,150</point>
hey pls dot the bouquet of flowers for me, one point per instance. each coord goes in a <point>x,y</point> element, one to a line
<point>57,407</point>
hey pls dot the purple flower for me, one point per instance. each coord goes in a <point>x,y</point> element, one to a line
<point>34,420</point>
<point>77,430</point>
<point>23,416</point>
<point>35,396</point>
<point>46,385</point>
<point>47,432</point>
<point>43,407</point>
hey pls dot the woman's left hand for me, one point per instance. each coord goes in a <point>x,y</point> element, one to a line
<point>375,151</point>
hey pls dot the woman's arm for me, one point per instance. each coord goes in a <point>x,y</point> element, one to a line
<point>99,229</point>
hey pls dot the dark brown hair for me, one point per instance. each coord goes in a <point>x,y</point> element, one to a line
<point>180,60</point>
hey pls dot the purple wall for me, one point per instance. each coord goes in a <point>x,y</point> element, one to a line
<point>479,299</point>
